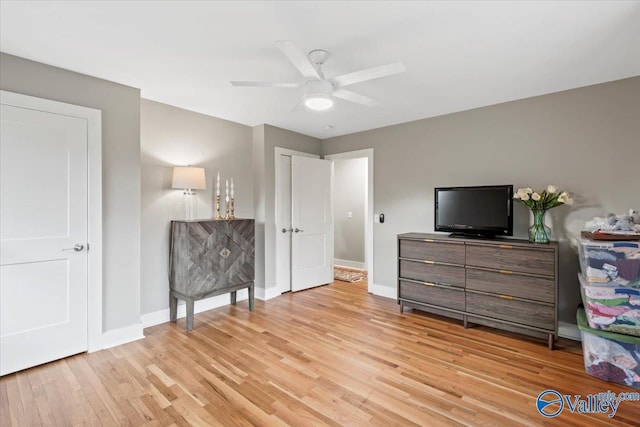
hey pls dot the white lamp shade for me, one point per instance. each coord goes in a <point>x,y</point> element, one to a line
<point>189,177</point>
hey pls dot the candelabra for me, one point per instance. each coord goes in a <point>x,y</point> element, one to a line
<point>233,209</point>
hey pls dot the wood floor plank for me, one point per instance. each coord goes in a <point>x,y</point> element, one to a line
<point>73,399</point>
<point>12,407</point>
<point>334,355</point>
<point>48,401</point>
<point>27,399</point>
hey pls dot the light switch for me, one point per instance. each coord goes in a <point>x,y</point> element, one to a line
<point>349,214</point>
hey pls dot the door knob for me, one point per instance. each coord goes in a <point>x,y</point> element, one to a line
<point>77,247</point>
<point>284,230</point>
<point>296,230</point>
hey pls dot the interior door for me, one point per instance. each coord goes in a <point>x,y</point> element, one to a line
<point>283,224</point>
<point>43,237</point>
<point>311,214</point>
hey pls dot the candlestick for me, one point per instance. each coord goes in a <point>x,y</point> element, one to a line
<point>218,216</point>
<point>233,209</point>
<point>218,184</point>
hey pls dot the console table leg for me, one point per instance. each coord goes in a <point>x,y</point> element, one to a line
<point>173,308</point>
<point>189,304</point>
<point>464,322</point>
<point>233,298</point>
<point>251,297</point>
<point>401,306</point>
<point>550,341</point>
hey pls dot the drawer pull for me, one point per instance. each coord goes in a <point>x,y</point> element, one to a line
<point>429,240</point>
<point>428,284</point>
<point>506,247</point>
<point>429,262</point>
<point>505,297</point>
<point>506,272</point>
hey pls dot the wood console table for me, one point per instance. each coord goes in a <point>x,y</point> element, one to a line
<point>209,258</point>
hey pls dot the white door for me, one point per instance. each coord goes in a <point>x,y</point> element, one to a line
<point>283,223</point>
<point>43,237</point>
<point>311,214</point>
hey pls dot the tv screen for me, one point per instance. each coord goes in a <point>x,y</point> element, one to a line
<point>481,210</point>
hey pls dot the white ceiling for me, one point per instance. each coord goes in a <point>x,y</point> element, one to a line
<point>458,55</point>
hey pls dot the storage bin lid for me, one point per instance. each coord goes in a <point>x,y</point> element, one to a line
<point>608,244</point>
<point>581,317</point>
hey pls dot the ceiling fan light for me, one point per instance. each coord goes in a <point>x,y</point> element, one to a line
<point>318,102</point>
<point>318,95</point>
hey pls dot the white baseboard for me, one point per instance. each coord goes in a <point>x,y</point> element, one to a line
<point>569,330</point>
<point>384,291</point>
<point>162,316</point>
<point>122,336</point>
<point>349,264</point>
<point>267,294</point>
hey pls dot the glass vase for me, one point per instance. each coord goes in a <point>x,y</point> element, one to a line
<point>538,232</point>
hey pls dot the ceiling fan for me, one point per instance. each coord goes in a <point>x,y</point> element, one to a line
<point>319,91</point>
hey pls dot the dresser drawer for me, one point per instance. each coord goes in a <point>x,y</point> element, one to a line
<point>436,251</point>
<point>522,312</point>
<point>429,272</point>
<point>515,285</point>
<point>431,294</point>
<point>512,259</point>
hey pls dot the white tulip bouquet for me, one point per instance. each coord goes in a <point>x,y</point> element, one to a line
<point>543,200</point>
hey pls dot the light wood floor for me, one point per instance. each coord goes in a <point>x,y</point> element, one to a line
<point>333,355</point>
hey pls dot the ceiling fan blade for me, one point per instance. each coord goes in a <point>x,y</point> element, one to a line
<point>264,84</point>
<point>355,97</point>
<point>295,107</point>
<point>298,59</point>
<point>370,74</point>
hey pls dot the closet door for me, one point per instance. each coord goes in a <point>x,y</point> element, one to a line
<point>311,217</point>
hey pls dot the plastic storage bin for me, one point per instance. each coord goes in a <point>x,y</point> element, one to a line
<point>610,356</point>
<point>610,261</point>
<point>611,307</point>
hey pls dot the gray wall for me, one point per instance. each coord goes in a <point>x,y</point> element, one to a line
<point>265,139</point>
<point>171,136</point>
<point>259,196</point>
<point>349,191</point>
<point>120,107</point>
<point>585,140</point>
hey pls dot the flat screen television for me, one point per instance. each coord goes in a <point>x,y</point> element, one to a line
<point>481,211</point>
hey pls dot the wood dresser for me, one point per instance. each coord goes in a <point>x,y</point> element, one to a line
<point>504,283</point>
<point>209,258</point>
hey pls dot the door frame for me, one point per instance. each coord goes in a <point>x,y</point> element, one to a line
<point>368,225</point>
<point>94,197</point>
<point>279,151</point>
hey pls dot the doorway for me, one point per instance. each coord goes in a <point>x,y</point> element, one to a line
<point>283,219</point>
<point>353,210</point>
<point>349,213</point>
